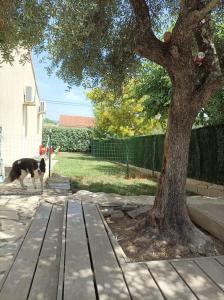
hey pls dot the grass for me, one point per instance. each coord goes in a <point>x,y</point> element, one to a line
<point>87,173</point>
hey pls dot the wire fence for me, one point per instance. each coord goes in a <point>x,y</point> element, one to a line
<point>117,151</point>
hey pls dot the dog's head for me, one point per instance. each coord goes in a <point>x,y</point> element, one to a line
<point>41,166</point>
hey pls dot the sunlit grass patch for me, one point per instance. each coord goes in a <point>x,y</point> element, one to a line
<point>100,176</point>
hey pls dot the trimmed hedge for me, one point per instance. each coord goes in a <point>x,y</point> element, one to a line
<point>68,139</point>
<point>206,152</point>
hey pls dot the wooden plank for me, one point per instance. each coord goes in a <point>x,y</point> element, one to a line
<point>213,269</point>
<point>45,282</point>
<point>109,278</point>
<point>5,275</point>
<point>78,277</point>
<point>21,274</point>
<point>170,283</point>
<point>140,282</point>
<point>62,259</point>
<point>220,259</point>
<point>197,280</point>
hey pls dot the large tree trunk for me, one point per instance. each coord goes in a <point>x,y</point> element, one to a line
<point>193,84</point>
<point>169,213</point>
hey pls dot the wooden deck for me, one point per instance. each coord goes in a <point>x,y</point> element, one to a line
<point>67,253</point>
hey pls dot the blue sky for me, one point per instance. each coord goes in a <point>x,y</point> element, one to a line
<point>53,88</point>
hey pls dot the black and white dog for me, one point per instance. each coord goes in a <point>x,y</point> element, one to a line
<point>24,166</point>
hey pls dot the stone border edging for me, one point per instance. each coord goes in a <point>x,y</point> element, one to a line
<point>199,187</point>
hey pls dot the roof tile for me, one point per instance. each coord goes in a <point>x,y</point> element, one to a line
<point>76,121</point>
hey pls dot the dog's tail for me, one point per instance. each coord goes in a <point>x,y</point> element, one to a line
<point>13,174</point>
<point>7,180</point>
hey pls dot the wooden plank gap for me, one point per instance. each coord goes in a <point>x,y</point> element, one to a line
<point>90,255</point>
<point>22,271</point>
<point>112,242</point>
<point>199,282</point>
<point>141,284</point>
<point>109,277</point>
<point>15,255</point>
<point>153,277</point>
<point>45,282</point>
<point>78,275</point>
<point>184,279</point>
<point>42,242</point>
<point>220,259</point>
<point>213,270</point>
<point>63,256</point>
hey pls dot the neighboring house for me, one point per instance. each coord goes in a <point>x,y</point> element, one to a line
<point>76,121</point>
<point>21,111</point>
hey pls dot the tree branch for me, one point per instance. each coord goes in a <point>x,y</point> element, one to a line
<point>207,8</point>
<point>192,12</point>
<point>142,16</point>
<point>211,85</point>
<point>204,39</point>
<point>194,17</point>
<point>147,44</point>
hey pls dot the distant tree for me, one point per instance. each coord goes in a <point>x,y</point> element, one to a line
<point>47,121</point>
<point>120,115</point>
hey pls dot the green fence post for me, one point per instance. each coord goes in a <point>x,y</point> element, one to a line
<point>49,153</point>
<point>127,160</point>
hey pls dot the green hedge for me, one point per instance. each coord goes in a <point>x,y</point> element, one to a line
<point>68,139</point>
<point>206,153</point>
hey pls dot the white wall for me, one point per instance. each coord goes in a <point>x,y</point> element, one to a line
<point>21,125</point>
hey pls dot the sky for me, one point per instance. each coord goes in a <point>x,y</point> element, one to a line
<point>53,88</point>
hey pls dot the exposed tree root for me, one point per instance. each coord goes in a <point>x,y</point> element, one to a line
<point>187,240</point>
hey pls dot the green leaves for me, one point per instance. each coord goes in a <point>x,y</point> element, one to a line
<point>68,139</point>
<point>23,24</point>
<point>154,86</point>
<point>121,116</point>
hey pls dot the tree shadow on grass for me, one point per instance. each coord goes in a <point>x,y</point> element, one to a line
<point>110,169</point>
<point>87,157</point>
<point>114,187</point>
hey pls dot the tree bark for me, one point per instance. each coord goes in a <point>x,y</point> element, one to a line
<point>169,214</point>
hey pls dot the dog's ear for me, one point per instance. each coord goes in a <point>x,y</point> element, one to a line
<point>42,164</point>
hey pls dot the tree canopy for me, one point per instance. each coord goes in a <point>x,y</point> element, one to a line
<point>23,24</point>
<point>106,39</point>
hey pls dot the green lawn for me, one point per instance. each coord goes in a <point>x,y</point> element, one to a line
<point>87,173</point>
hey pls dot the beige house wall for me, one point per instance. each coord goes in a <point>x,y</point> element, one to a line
<point>21,124</point>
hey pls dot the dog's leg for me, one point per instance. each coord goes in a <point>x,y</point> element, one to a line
<point>33,177</point>
<point>42,181</point>
<point>33,181</point>
<point>21,178</point>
